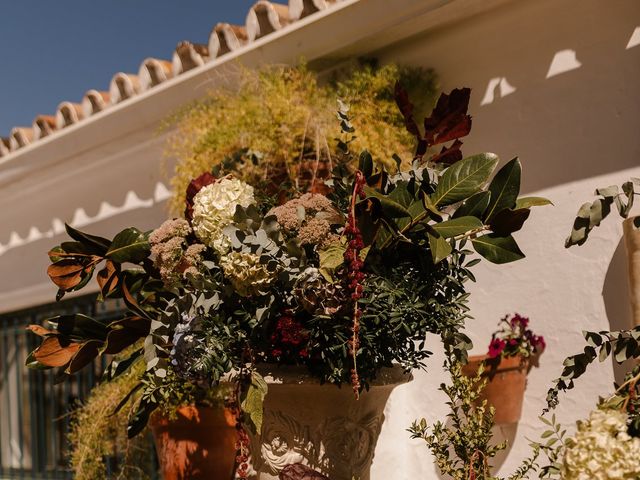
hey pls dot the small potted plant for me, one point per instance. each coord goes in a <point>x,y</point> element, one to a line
<point>512,350</point>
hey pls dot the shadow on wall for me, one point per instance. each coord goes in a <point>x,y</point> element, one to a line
<point>617,303</point>
<point>553,82</point>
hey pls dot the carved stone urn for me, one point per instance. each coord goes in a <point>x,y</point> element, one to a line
<point>321,426</point>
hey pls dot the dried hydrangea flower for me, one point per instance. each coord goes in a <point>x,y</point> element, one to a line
<point>602,449</point>
<point>214,207</point>
<point>172,255</point>
<point>247,274</point>
<point>309,217</point>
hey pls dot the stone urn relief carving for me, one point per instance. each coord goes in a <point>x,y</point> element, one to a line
<point>321,426</point>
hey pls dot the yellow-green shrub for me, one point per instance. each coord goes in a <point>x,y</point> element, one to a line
<point>288,118</point>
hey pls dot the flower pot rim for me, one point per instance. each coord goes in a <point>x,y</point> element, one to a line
<point>515,362</point>
<point>297,375</point>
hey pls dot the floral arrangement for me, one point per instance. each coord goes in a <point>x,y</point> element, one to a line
<point>514,338</point>
<point>344,284</point>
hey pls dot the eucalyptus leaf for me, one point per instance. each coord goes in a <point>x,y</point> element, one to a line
<point>464,178</point>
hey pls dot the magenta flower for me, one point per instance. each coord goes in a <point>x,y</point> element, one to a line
<point>496,347</point>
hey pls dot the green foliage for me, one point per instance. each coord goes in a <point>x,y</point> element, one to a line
<point>591,214</point>
<point>623,344</point>
<point>463,446</point>
<point>283,118</point>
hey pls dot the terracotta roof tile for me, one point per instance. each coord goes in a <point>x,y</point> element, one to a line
<point>43,125</point>
<point>302,8</point>
<point>20,137</point>
<point>94,102</point>
<point>153,72</point>
<point>188,56</point>
<point>67,114</point>
<point>226,38</point>
<point>263,18</point>
<point>4,146</point>
<point>123,86</point>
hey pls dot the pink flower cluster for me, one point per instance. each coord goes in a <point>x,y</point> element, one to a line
<point>515,338</point>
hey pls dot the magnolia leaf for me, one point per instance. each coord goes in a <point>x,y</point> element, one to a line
<point>72,273</point>
<point>497,249</point>
<point>130,245</point>
<point>474,206</point>
<point>87,352</point>
<point>55,351</point>
<point>505,188</point>
<point>79,327</point>
<point>108,278</point>
<point>95,244</point>
<point>464,179</point>
<point>253,402</point>
<point>440,248</point>
<point>390,207</point>
<point>508,221</point>
<point>457,226</point>
<point>527,202</point>
<point>366,164</point>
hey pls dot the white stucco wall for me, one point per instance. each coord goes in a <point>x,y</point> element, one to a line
<point>573,131</point>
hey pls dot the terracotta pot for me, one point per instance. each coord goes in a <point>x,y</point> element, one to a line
<point>632,244</point>
<point>505,386</point>
<point>321,426</point>
<point>199,444</point>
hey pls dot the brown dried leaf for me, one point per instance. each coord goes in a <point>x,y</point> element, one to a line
<point>108,278</point>
<point>54,352</point>
<point>41,331</point>
<point>87,352</point>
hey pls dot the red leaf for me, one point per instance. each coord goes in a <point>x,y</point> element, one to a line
<point>406,109</point>
<point>194,187</point>
<point>55,353</point>
<point>300,472</point>
<point>448,155</point>
<point>449,120</point>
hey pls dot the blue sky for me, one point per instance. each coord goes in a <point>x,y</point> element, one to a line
<point>53,51</point>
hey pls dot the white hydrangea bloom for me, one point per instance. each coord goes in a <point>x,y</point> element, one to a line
<point>602,449</point>
<point>214,207</point>
<point>246,273</point>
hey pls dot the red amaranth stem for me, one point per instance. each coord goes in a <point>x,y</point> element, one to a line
<point>355,275</point>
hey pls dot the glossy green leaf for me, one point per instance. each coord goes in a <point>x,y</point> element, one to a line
<point>463,179</point>
<point>457,226</point>
<point>366,164</point>
<point>504,188</point>
<point>440,248</point>
<point>474,206</point>
<point>390,207</point>
<point>98,245</point>
<point>497,249</point>
<point>130,245</point>
<point>528,202</point>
